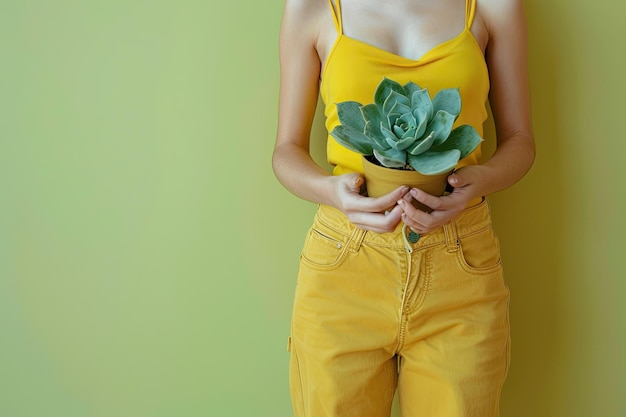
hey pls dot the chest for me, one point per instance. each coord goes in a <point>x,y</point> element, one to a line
<point>406,28</point>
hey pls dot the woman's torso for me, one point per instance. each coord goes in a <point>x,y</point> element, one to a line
<point>434,44</point>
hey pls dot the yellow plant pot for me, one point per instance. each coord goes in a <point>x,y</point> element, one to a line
<point>381,180</point>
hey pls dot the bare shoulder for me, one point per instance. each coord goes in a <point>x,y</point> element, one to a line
<point>500,14</point>
<point>304,6</point>
<point>304,14</point>
<point>308,24</point>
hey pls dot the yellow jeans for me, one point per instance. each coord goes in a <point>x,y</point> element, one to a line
<point>374,313</point>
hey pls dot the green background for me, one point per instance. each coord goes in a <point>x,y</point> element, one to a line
<point>148,255</point>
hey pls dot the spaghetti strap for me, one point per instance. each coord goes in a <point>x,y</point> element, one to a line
<point>336,10</point>
<point>470,12</point>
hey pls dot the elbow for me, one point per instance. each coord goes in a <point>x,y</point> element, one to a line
<point>280,158</point>
<point>276,161</point>
<point>524,144</point>
<point>532,150</point>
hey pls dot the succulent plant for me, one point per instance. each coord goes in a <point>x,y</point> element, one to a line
<point>403,128</point>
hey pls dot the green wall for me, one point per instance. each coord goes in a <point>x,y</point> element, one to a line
<point>563,226</point>
<point>148,255</point>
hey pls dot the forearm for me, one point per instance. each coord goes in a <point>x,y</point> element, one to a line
<point>509,163</point>
<point>298,173</point>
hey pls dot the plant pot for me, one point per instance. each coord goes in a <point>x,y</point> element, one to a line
<point>381,180</point>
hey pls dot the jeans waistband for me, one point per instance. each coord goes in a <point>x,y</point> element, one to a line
<point>471,220</point>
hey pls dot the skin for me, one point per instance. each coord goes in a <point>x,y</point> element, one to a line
<point>409,28</point>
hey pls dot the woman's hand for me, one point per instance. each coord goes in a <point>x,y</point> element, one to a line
<point>381,214</point>
<point>466,183</point>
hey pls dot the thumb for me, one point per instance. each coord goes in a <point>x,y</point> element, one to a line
<point>457,180</point>
<point>352,182</point>
<point>355,181</point>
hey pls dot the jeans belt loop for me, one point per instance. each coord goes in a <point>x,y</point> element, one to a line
<point>356,240</point>
<point>452,238</point>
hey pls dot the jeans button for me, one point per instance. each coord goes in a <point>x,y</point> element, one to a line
<point>413,236</point>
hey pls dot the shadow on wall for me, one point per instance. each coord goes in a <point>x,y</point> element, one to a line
<point>531,220</point>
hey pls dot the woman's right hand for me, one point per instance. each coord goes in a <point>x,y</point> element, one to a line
<point>380,214</point>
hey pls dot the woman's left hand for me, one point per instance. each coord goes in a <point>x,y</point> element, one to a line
<point>466,183</point>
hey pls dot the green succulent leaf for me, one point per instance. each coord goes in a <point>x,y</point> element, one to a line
<point>393,118</point>
<point>422,146</point>
<point>421,100</point>
<point>396,103</point>
<point>352,139</point>
<point>349,113</point>
<point>441,124</point>
<point>464,138</point>
<point>385,88</point>
<point>407,125</point>
<point>401,144</point>
<point>433,163</point>
<point>408,119</point>
<point>398,131</point>
<point>391,158</point>
<point>449,100</point>
<point>388,134</point>
<point>377,137</point>
<point>410,134</point>
<point>411,88</point>
<point>372,113</point>
<point>421,121</point>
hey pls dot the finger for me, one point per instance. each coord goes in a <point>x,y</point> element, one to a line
<point>428,200</point>
<point>384,202</point>
<point>423,222</point>
<point>378,222</point>
<point>428,222</point>
<point>408,197</point>
<point>416,223</point>
<point>417,220</point>
<point>416,215</point>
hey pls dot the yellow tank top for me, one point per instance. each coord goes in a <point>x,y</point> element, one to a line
<point>354,69</point>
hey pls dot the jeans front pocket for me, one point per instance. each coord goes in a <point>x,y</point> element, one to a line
<point>479,252</point>
<point>324,247</point>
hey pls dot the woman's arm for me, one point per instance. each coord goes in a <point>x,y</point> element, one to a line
<point>509,97</point>
<point>510,104</point>
<point>299,87</point>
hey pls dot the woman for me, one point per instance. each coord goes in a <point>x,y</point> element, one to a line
<point>374,310</point>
